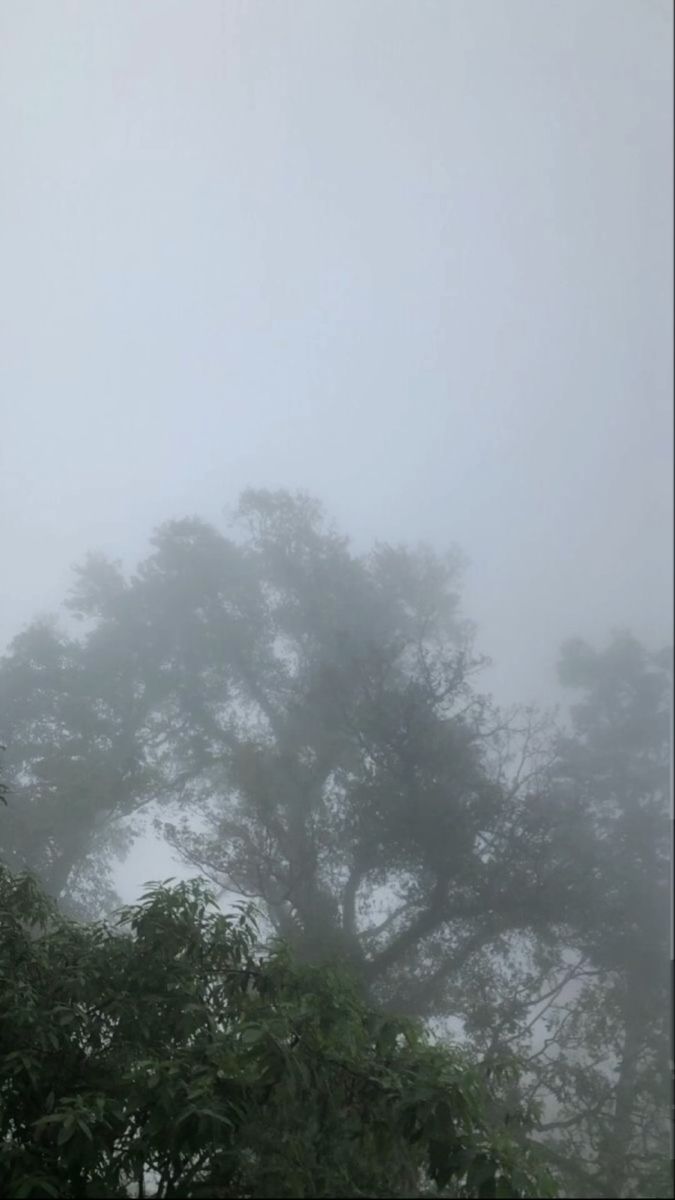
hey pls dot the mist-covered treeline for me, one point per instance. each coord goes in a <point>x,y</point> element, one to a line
<point>307,728</point>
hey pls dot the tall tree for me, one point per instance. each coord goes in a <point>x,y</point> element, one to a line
<point>618,759</point>
<point>225,669</point>
<point>599,1060</point>
<point>316,712</point>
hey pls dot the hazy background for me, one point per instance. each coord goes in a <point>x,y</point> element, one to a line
<point>414,257</point>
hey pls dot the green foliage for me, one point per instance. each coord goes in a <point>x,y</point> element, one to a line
<point>166,1050</point>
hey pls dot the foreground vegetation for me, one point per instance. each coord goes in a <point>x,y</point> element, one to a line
<point>163,1057</point>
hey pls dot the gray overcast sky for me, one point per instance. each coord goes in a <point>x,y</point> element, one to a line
<point>414,257</point>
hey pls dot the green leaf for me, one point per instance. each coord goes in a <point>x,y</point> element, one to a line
<point>35,1183</point>
<point>66,1132</point>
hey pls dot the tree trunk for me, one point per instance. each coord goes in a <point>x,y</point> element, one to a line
<point>619,1140</point>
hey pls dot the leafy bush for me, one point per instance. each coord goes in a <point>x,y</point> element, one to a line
<point>164,1056</point>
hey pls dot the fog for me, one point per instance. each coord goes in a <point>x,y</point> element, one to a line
<point>414,259</point>
<point>411,257</point>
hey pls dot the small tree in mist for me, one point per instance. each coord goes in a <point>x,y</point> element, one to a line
<point>74,765</point>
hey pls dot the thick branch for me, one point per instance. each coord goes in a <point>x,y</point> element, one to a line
<point>349,900</point>
<point>427,990</point>
<point>425,923</point>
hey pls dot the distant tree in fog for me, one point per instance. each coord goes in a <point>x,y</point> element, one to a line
<point>311,725</point>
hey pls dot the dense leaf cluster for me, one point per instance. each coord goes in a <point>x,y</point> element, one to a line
<point>165,1056</point>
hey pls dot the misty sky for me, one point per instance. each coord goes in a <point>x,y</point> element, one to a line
<point>414,257</point>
